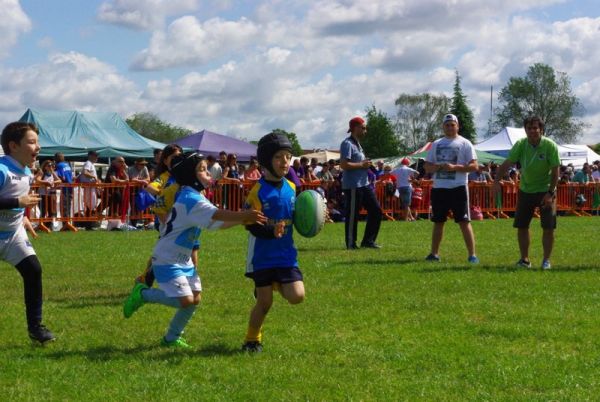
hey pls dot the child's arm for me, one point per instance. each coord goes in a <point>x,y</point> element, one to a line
<point>247,217</point>
<point>27,200</point>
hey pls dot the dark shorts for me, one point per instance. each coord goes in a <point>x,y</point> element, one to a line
<point>265,277</point>
<point>405,195</point>
<point>526,204</point>
<point>454,199</point>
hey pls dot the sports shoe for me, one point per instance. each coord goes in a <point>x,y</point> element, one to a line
<point>252,347</point>
<point>473,259</point>
<point>41,334</point>
<point>352,247</point>
<point>433,257</point>
<point>370,245</point>
<point>134,301</point>
<point>524,263</point>
<point>546,264</point>
<point>178,343</point>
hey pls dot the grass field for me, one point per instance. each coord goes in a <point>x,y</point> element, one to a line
<point>376,325</point>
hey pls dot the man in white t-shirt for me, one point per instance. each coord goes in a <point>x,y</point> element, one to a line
<point>89,175</point>
<point>450,160</point>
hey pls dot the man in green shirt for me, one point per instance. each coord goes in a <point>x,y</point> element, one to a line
<point>538,157</point>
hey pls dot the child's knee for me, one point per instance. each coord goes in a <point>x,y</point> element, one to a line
<point>296,298</point>
<point>187,301</point>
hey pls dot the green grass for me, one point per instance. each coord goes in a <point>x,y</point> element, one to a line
<point>376,325</point>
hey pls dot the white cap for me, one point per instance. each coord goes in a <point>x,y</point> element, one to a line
<point>450,117</point>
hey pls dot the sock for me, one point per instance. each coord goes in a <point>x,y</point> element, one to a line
<point>178,323</point>
<point>158,296</point>
<point>254,334</point>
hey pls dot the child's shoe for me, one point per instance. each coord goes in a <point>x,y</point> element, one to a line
<point>134,301</point>
<point>252,347</point>
<point>178,343</point>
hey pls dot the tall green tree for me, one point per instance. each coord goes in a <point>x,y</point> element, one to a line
<point>419,118</point>
<point>150,126</point>
<point>296,148</point>
<point>545,93</point>
<point>381,140</point>
<point>463,112</point>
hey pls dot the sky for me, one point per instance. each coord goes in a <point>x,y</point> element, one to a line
<point>243,68</point>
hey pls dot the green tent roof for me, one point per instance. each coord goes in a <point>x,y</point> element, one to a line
<point>482,157</point>
<point>75,133</point>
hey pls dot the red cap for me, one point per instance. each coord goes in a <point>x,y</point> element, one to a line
<point>355,121</point>
<point>405,161</point>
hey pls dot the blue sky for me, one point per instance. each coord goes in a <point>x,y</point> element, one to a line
<point>245,67</point>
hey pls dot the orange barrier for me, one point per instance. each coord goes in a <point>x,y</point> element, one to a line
<point>89,203</point>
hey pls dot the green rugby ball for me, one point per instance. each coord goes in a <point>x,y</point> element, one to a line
<point>309,213</point>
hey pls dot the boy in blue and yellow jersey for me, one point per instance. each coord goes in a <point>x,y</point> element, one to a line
<point>272,262</point>
<point>21,146</point>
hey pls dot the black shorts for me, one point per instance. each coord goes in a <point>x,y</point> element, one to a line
<point>526,204</point>
<point>265,277</point>
<point>450,199</point>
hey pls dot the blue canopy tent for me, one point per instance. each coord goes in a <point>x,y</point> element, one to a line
<point>209,143</point>
<point>75,133</point>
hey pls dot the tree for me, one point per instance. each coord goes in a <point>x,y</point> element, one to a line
<point>150,126</point>
<point>296,148</point>
<point>545,93</point>
<point>381,140</point>
<point>419,118</point>
<point>461,110</point>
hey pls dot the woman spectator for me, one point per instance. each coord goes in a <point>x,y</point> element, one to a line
<point>47,179</point>
<point>253,173</point>
<point>231,170</point>
<point>118,197</point>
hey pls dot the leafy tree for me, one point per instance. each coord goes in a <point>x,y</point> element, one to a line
<point>419,118</point>
<point>461,110</point>
<point>150,126</point>
<point>545,93</point>
<point>296,148</point>
<point>381,140</point>
<point>596,147</point>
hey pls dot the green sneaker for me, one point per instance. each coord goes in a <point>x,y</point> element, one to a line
<point>134,301</point>
<point>178,343</point>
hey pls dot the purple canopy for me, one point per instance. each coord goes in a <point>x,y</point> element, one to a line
<point>209,143</point>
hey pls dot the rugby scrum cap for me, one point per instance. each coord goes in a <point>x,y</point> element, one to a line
<point>183,170</point>
<point>355,121</point>
<point>450,117</point>
<point>268,146</point>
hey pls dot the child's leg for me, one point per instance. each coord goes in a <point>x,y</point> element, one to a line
<point>182,316</point>
<point>264,300</point>
<point>293,292</point>
<point>147,277</point>
<point>31,271</point>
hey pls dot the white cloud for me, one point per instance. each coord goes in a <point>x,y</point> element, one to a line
<point>187,41</point>
<point>143,14</point>
<point>14,23</point>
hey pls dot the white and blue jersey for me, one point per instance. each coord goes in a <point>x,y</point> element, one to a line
<point>172,256</point>
<point>14,183</point>
<point>277,204</point>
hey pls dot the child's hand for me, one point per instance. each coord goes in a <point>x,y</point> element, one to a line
<point>28,200</point>
<point>279,229</point>
<point>253,216</point>
<point>29,227</point>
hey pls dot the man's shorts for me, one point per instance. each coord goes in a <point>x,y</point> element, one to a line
<point>265,277</point>
<point>182,286</point>
<point>526,204</point>
<point>405,195</point>
<point>16,247</point>
<point>454,199</point>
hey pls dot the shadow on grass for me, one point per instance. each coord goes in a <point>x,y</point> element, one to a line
<point>390,261</point>
<point>82,300</point>
<point>147,352</point>
<point>504,269</point>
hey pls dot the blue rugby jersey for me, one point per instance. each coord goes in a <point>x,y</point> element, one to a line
<point>277,204</point>
<point>172,256</point>
<point>14,183</point>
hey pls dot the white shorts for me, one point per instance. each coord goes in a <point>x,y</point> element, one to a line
<point>182,286</point>
<point>16,248</point>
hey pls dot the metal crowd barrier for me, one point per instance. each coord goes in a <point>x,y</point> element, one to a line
<point>86,204</point>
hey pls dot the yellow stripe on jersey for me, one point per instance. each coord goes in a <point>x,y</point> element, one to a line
<point>166,196</point>
<point>252,201</point>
